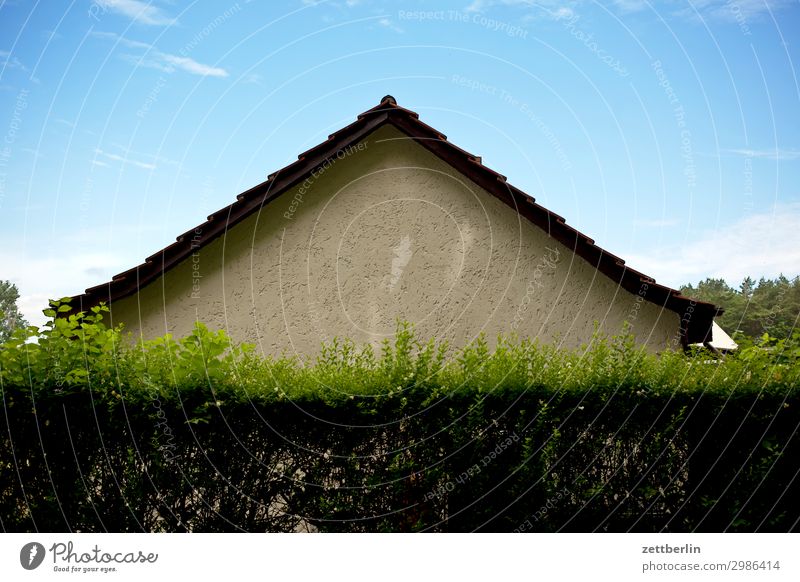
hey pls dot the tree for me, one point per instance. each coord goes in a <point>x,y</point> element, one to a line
<point>769,306</point>
<point>747,287</point>
<point>10,317</point>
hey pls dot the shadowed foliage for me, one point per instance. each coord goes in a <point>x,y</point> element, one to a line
<point>101,434</point>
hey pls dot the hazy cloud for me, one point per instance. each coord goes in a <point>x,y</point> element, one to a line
<point>764,244</point>
<point>161,61</point>
<point>725,10</point>
<point>387,23</point>
<point>547,6</point>
<point>127,152</point>
<point>66,275</point>
<point>9,61</point>
<point>656,222</point>
<point>124,160</point>
<point>253,79</point>
<point>113,36</point>
<point>631,5</point>
<point>192,66</point>
<point>137,10</point>
<point>771,154</point>
<point>43,273</point>
<point>733,10</point>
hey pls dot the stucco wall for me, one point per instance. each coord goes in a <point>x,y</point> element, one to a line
<point>389,231</point>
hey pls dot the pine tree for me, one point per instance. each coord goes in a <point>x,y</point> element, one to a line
<point>769,306</point>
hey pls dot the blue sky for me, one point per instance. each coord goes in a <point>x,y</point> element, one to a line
<point>667,131</point>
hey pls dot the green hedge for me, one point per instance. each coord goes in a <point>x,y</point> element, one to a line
<point>101,434</point>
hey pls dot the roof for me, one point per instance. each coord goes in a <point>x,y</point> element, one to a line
<point>696,316</point>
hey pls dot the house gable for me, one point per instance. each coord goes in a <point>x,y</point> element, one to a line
<point>392,221</point>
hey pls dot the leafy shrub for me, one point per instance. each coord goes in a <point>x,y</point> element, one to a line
<point>198,434</point>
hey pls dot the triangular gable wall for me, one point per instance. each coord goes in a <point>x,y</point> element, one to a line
<point>695,317</point>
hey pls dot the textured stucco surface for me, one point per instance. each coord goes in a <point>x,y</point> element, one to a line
<point>389,231</point>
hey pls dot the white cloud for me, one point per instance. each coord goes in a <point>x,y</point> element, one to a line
<point>113,36</point>
<point>656,222</point>
<point>147,63</point>
<point>9,61</point>
<point>765,244</point>
<point>740,12</point>
<point>192,66</point>
<point>42,273</point>
<point>772,154</point>
<point>137,10</point>
<point>387,23</point>
<point>563,12</point>
<point>155,59</point>
<point>631,5</point>
<point>534,10</point>
<point>724,10</point>
<point>483,5</point>
<point>41,278</point>
<point>734,10</point>
<point>552,8</point>
<point>161,160</point>
<point>124,160</point>
<point>253,79</point>
<point>31,306</point>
